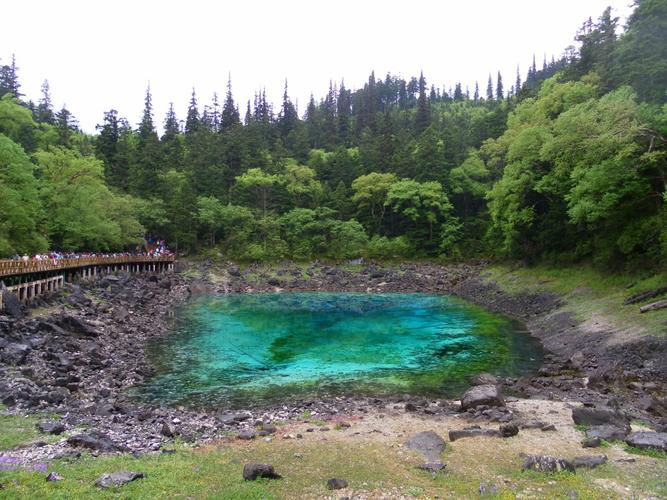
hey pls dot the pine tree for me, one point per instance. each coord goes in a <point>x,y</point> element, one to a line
<point>230,115</point>
<point>489,89</point>
<point>500,93</point>
<point>215,113</point>
<point>423,113</point>
<point>106,149</point>
<point>517,85</point>
<point>44,112</point>
<point>475,96</point>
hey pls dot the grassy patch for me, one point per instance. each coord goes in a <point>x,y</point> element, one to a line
<point>16,430</point>
<point>591,295</point>
<point>372,469</point>
<point>647,452</point>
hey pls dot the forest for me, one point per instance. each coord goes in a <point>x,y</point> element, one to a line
<point>566,163</point>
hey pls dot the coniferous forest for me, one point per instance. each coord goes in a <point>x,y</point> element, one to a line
<point>567,162</point>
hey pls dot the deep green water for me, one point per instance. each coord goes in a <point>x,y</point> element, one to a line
<point>240,350</point>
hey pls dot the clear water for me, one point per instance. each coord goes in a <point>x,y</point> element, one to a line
<point>245,350</point>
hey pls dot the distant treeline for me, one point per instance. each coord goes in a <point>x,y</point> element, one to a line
<point>568,164</point>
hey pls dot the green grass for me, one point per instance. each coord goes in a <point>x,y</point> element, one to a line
<point>370,468</point>
<point>16,430</point>
<point>648,452</point>
<point>591,294</point>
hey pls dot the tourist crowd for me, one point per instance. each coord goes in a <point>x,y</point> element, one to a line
<point>155,249</point>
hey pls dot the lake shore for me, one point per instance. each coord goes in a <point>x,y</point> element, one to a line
<point>83,350</point>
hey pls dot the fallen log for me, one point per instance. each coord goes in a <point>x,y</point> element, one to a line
<point>645,295</point>
<point>661,304</point>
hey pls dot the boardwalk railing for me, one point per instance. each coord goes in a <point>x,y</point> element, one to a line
<point>18,267</point>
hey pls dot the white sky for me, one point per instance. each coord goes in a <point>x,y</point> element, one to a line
<point>101,55</point>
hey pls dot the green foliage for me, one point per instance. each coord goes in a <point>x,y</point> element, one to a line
<point>20,210</point>
<point>82,213</point>
<point>381,247</point>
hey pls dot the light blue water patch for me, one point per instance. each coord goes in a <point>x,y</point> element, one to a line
<point>240,350</point>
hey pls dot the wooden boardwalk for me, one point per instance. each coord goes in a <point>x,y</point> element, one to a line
<point>19,267</point>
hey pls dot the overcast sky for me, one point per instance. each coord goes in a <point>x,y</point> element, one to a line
<point>101,55</point>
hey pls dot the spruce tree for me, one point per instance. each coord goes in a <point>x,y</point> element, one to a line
<point>230,115</point>
<point>66,124</point>
<point>423,113</point>
<point>287,118</point>
<point>9,82</point>
<point>475,96</point>
<point>172,149</point>
<point>489,89</point>
<point>343,110</point>
<point>499,87</point>
<point>192,120</point>
<point>146,166</point>
<point>44,112</point>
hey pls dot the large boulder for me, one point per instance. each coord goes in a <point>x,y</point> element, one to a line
<point>608,432</point>
<point>55,428</point>
<point>584,415</point>
<point>427,443</point>
<point>11,305</point>
<point>481,395</point>
<point>336,484</point>
<point>648,440</point>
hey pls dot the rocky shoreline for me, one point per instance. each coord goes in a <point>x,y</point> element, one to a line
<point>79,357</point>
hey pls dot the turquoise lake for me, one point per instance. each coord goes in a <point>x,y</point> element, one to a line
<point>244,350</point>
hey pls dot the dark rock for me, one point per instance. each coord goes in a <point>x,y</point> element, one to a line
<point>532,424</point>
<point>648,440</point>
<point>589,462</point>
<point>475,431</point>
<point>336,484</point>
<point>118,479</point>
<point>246,435</point>
<point>411,407</point>
<point>96,440</point>
<point>608,432</point>
<point>273,282</point>
<point>481,395</point>
<point>76,325</point>
<point>427,443</point>
<point>54,476</point>
<point>509,430</point>
<point>51,427</point>
<point>233,418</point>
<point>548,428</point>
<point>583,415</point>
<point>591,442</point>
<point>11,305</point>
<point>168,430</point>
<point>15,353</point>
<point>253,471</point>
<point>547,463</point>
